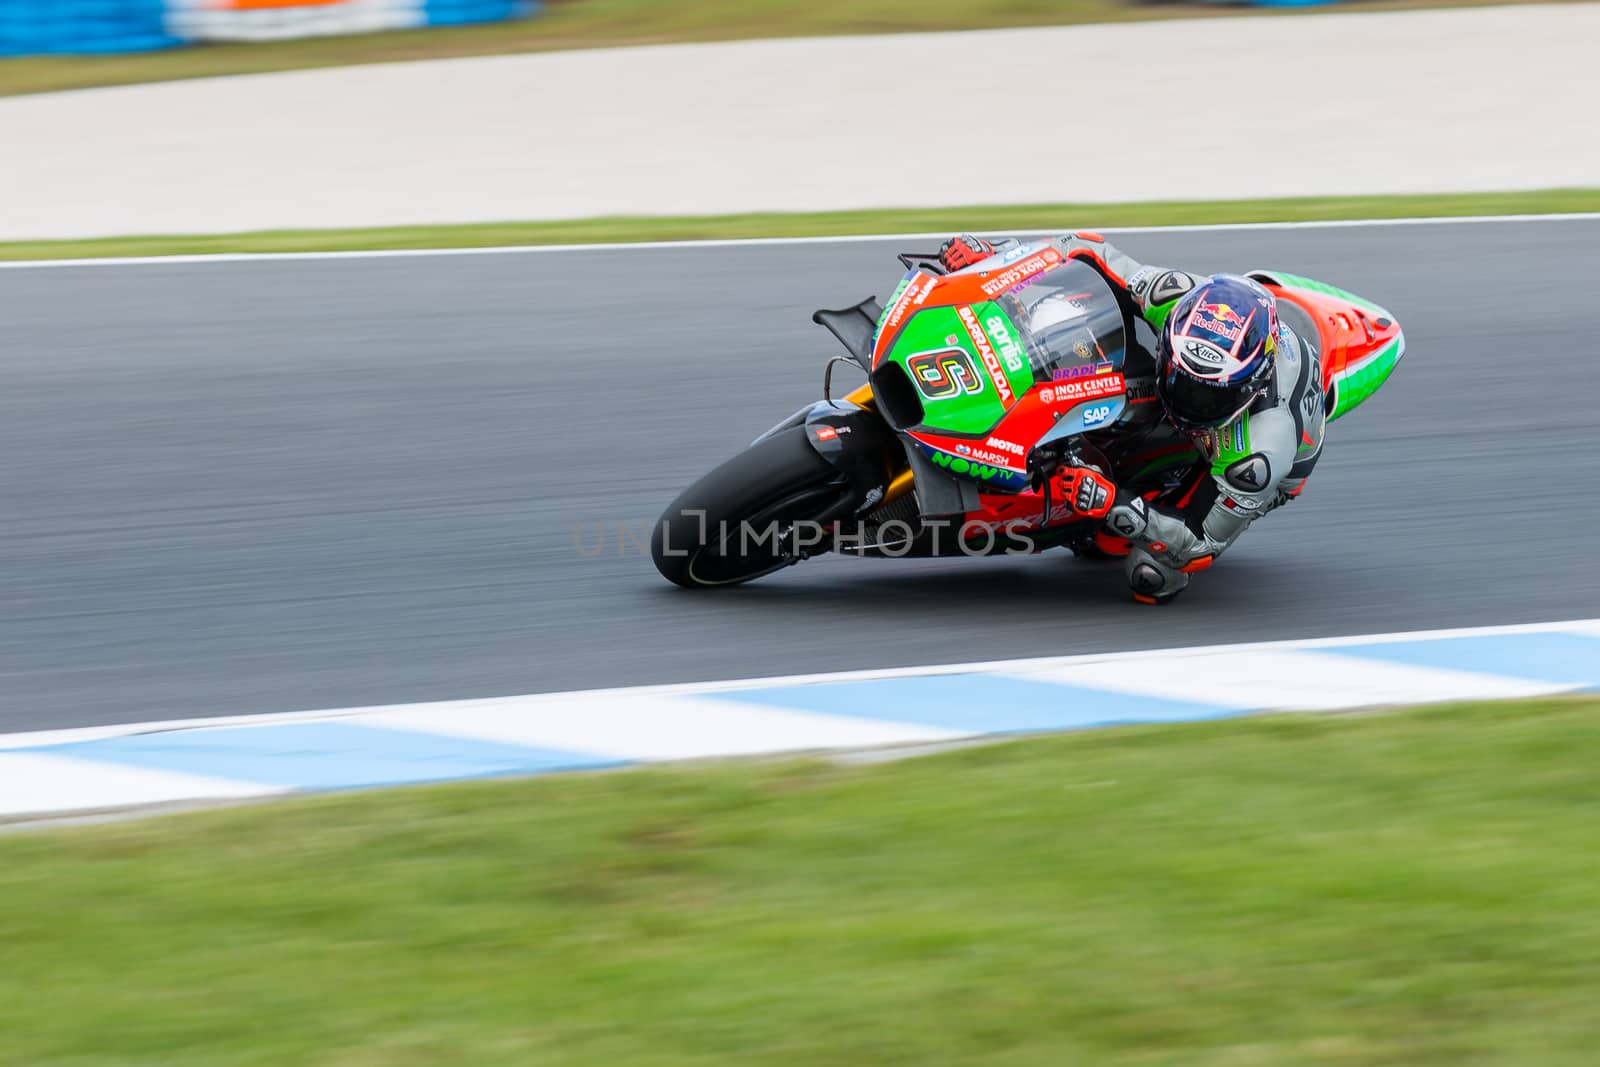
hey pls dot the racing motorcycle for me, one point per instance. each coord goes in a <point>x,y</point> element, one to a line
<point>980,383</point>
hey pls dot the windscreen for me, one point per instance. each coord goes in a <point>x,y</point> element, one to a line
<point>1070,322</point>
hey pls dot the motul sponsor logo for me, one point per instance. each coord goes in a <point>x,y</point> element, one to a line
<point>991,362</point>
<point>1021,272</point>
<point>1081,389</point>
<point>1004,445</point>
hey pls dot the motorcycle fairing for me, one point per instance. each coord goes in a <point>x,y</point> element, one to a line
<point>1031,345</point>
<point>1361,342</point>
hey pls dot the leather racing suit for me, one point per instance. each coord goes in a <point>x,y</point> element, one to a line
<point>1249,467</point>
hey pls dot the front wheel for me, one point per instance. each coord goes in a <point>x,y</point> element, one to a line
<point>745,519</point>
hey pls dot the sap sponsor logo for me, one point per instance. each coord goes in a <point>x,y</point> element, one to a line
<point>1010,351</point>
<point>991,362</point>
<point>1096,388</point>
<point>1096,415</point>
<point>1021,272</point>
<point>1005,446</point>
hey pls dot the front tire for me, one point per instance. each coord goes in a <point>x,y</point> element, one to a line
<point>733,525</point>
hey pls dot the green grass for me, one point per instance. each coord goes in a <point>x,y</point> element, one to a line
<point>1020,218</point>
<point>601,23</point>
<point>1421,888</point>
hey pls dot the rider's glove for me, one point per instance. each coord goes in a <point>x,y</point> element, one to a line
<point>961,252</point>
<point>1085,490</point>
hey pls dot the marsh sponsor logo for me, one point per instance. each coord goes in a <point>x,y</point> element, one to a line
<point>1010,351</point>
<point>979,455</point>
<point>991,362</point>
<point>1021,272</point>
<point>913,296</point>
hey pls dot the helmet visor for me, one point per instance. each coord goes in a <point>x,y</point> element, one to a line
<point>1200,405</point>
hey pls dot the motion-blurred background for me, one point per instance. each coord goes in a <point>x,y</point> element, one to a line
<point>350,348</point>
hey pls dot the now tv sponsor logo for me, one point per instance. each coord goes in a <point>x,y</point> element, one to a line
<point>972,468</point>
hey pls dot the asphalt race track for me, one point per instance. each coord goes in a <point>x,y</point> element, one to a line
<point>248,487</point>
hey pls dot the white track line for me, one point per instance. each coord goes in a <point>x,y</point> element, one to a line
<point>42,783</point>
<point>755,242</point>
<point>1014,666</point>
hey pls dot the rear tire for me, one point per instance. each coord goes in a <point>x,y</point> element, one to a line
<point>770,485</point>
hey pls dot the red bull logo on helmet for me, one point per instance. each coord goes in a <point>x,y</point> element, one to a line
<point>1222,313</point>
<point>1219,320</point>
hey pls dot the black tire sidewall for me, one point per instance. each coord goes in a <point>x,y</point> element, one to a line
<point>761,475</point>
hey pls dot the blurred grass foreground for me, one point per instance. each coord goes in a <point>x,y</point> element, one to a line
<point>1415,888</point>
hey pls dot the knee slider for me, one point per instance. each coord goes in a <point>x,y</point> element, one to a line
<point>1151,582</point>
<point>1147,579</point>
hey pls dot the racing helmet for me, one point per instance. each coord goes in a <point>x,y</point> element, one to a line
<point>1217,352</point>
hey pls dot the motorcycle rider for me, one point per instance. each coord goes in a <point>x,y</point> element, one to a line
<point>1235,379</point>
